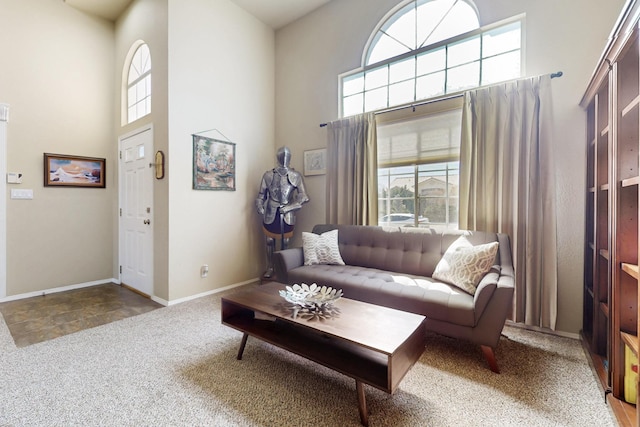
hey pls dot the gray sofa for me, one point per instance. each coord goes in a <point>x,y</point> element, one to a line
<point>392,266</point>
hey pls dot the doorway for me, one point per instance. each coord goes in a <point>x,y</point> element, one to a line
<point>136,210</point>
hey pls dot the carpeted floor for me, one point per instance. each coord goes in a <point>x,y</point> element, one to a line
<point>176,366</point>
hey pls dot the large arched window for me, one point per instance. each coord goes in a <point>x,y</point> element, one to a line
<point>427,48</point>
<point>139,83</point>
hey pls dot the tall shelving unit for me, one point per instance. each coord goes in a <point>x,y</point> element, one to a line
<point>597,273</point>
<point>611,274</point>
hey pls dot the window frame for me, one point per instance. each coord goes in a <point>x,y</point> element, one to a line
<point>425,109</point>
<point>395,14</point>
<point>418,199</point>
<point>142,77</point>
<point>424,102</point>
<point>433,47</point>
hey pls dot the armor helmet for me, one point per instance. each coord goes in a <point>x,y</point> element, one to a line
<point>284,156</point>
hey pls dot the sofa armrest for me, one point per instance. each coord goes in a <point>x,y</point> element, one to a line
<point>499,282</point>
<point>493,283</point>
<point>484,291</point>
<point>494,297</point>
<point>286,260</point>
<point>495,290</point>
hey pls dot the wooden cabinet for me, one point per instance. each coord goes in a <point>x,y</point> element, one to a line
<point>610,316</point>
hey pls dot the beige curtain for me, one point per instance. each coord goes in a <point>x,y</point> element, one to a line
<point>507,185</point>
<point>352,191</point>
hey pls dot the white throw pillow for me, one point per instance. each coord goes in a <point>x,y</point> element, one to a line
<point>463,265</point>
<point>321,248</point>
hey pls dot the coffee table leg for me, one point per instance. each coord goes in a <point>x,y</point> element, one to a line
<point>362,404</point>
<point>242,344</point>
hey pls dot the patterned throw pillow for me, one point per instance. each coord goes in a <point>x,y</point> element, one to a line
<point>321,248</point>
<point>463,265</point>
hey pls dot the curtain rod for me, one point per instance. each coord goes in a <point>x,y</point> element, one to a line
<point>414,105</point>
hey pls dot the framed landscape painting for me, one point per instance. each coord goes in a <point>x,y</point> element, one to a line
<point>61,170</point>
<point>214,164</point>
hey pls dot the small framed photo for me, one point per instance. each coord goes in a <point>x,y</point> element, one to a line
<point>315,162</point>
<point>61,170</point>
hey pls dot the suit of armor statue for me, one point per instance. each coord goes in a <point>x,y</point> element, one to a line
<point>281,193</point>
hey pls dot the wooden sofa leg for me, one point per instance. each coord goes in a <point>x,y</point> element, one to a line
<point>491,358</point>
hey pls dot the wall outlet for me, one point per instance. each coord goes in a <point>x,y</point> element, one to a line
<point>204,271</point>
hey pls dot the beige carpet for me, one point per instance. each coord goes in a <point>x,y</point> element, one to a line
<point>176,366</point>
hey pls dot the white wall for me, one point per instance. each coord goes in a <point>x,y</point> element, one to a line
<point>221,75</point>
<point>56,74</point>
<point>63,82</point>
<point>563,36</point>
<point>4,112</point>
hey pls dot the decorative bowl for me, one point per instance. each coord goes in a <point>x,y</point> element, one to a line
<point>311,295</point>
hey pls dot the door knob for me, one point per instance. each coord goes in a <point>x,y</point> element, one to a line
<point>146,221</point>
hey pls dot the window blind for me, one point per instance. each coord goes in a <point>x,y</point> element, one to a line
<point>427,138</point>
<point>429,134</point>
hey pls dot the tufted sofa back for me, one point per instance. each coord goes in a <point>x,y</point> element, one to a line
<point>408,250</point>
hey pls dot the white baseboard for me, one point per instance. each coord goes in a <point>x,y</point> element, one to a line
<point>543,330</point>
<point>117,282</point>
<point>60,289</point>
<point>159,300</point>
<point>203,294</point>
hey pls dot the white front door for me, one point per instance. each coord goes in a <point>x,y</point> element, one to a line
<point>136,210</point>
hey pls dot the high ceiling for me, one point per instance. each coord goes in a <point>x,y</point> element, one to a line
<point>275,13</point>
<point>278,13</point>
<point>108,9</point>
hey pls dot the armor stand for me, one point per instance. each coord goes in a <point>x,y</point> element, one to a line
<point>271,239</point>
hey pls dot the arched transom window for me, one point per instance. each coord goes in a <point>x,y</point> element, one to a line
<point>428,48</point>
<point>139,84</point>
<point>419,24</point>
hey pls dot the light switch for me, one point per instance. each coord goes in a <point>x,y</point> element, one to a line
<point>21,194</point>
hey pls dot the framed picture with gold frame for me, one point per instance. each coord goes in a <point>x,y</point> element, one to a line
<point>62,170</point>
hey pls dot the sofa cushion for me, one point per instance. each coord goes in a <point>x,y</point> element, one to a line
<point>410,250</point>
<point>463,264</point>
<point>417,294</point>
<point>321,249</point>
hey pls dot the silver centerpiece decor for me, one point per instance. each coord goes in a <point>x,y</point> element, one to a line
<point>312,301</point>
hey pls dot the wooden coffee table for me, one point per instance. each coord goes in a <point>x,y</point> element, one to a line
<point>375,345</point>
